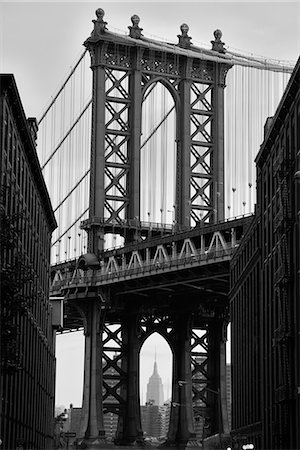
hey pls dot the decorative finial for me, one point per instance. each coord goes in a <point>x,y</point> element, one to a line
<point>217,44</point>
<point>184,39</point>
<point>99,24</point>
<point>135,31</point>
<point>99,13</point>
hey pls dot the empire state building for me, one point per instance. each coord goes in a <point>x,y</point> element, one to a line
<point>155,391</point>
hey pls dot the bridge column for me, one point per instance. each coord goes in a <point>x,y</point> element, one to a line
<point>218,133</point>
<point>216,390</point>
<point>183,195</point>
<point>92,430</point>
<point>130,429</point>
<point>97,189</point>
<point>181,428</point>
<point>135,89</point>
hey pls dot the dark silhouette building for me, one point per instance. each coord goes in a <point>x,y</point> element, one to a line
<point>265,308</point>
<point>27,336</point>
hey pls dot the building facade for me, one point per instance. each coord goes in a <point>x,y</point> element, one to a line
<point>154,420</point>
<point>155,414</point>
<point>27,337</point>
<point>245,337</point>
<point>265,308</point>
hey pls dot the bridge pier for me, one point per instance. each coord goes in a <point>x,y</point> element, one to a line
<point>92,433</point>
<point>181,428</point>
<point>129,428</point>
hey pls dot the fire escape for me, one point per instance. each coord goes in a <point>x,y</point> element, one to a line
<point>282,282</point>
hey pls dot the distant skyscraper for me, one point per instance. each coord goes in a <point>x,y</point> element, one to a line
<point>155,391</point>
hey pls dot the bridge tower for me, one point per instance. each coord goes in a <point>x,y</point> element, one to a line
<point>124,68</point>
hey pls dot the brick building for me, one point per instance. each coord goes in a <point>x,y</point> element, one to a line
<point>265,308</point>
<point>27,337</point>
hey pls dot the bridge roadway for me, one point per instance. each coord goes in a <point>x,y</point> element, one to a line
<point>155,273</point>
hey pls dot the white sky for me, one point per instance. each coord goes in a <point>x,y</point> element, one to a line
<point>40,41</point>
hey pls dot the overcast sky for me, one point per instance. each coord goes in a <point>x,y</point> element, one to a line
<point>40,41</point>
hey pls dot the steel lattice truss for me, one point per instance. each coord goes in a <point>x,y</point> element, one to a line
<point>114,376</point>
<point>191,85</point>
<point>201,152</point>
<point>200,378</point>
<point>117,135</point>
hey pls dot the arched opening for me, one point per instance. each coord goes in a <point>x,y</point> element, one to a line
<point>158,156</point>
<point>156,363</point>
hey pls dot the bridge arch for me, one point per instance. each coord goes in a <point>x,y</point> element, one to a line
<point>167,84</point>
<point>163,333</point>
<point>158,151</point>
<point>155,374</point>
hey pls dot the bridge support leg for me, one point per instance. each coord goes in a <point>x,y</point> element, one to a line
<point>223,383</point>
<point>130,430</point>
<point>217,376</point>
<point>181,428</point>
<point>92,430</point>
<point>217,428</point>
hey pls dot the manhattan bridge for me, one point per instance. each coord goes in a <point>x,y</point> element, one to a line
<point>148,153</point>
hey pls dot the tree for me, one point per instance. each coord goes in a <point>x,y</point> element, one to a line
<point>15,274</point>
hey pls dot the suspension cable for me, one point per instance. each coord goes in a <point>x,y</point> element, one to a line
<point>72,190</point>
<point>157,126</point>
<point>67,134</point>
<point>62,87</point>
<point>68,229</point>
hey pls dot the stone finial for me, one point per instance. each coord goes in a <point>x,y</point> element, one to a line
<point>99,24</point>
<point>184,39</point>
<point>217,44</point>
<point>135,31</point>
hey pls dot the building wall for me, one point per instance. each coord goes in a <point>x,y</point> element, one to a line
<point>245,336</point>
<point>277,163</point>
<point>153,420</point>
<point>265,291</point>
<point>27,386</point>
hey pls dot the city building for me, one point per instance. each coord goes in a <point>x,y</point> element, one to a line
<point>151,420</point>
<point>155,415</point>
<point>264,297</point>
<point>155,389</point>
<point>155,420</point>
<point>68,422</point>
<point>27,381</point>
<point>165,418</point>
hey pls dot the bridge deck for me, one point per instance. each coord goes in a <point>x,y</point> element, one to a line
<point>157,273</point>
